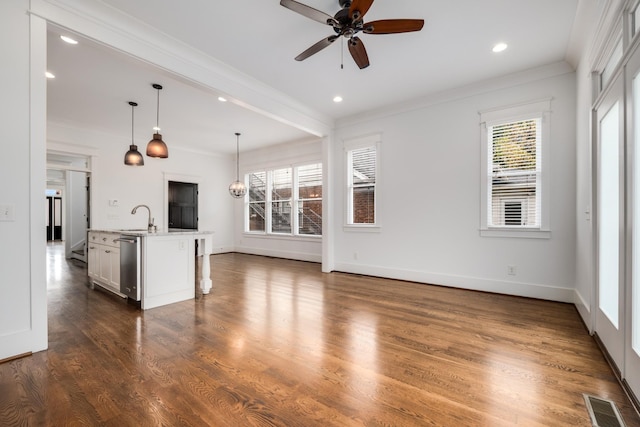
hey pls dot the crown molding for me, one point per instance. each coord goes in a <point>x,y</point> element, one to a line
<point>503,82</point>
<point>113,28</point>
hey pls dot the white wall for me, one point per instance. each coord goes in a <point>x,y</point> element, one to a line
<point>429,197</point>
<point>23,311</point>
<point>291,247</point>
<point>76,203</point>
<point>131,186</point>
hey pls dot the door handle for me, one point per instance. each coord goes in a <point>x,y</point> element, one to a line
<point>124,240</point>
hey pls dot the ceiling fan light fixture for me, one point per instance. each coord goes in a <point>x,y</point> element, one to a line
<point>133,156</point>
<point>348,22</point>
<point>237,189</point>
<point>157,147</point>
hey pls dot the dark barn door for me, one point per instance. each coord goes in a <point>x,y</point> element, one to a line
<point>183,205</point>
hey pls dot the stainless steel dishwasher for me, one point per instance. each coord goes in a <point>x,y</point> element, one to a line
<point>130,266</point>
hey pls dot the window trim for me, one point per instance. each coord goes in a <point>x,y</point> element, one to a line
<point>268,203</point>
<point>523,111</point>
<point>374,141</point>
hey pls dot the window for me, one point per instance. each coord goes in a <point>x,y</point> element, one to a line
<point>610,66</point>
<point>257,195</point>
<point>281,201</point>
<point>362,181</point>
<point>514,189</point>
<point>310,199</point>
<point>273,194</point>
<point>514,173</point>
<point>635,20</point>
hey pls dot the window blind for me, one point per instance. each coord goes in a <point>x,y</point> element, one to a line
<point>363,166</point>
<point>514,181</point>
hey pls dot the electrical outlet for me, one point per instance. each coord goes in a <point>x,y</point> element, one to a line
<point>511,270</point>
<point>6,213</point>
<point>355,255</point>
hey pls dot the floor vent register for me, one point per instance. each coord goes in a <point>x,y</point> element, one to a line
<point>603,412</point>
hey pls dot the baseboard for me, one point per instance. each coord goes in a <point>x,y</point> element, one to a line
<point>529,290</point>
<point>222,250</point>
<point>583,310</point>
<point>298,256</point>
<point>17,356</point>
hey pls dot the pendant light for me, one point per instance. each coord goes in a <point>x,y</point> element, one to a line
<point>237,188</point>
<point>156,147</point>
<point>133,156</point>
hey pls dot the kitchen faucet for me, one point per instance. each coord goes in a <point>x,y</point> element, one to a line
<point>150,226</point>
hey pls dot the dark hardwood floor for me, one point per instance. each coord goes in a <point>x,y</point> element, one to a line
<point>278,343</point>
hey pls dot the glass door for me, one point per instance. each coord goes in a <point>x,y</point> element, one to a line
<point>632,294</point>
<point>610,311</point>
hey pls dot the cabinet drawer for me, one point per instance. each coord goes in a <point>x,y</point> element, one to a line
<point>101,238</point>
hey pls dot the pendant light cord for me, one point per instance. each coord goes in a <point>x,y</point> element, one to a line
<point>237,157</point>
<point>158,113</point>
<point>132,106</point>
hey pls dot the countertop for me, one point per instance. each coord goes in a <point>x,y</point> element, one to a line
<point>144,233</point>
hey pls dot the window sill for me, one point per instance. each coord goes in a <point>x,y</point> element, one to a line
<point>363,228</point>
<point>519,233</point>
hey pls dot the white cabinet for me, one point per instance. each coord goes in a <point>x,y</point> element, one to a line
<point>104,260</point>
<point>93,261</point>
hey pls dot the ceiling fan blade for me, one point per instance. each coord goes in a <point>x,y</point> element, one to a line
<point>308,11</point>
<point>316,48</point>
<point>358,8</point>
<point>358,52</point>
<point>392,26</point>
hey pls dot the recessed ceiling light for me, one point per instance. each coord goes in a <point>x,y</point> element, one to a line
<point>222,99</point>
<point>49,75</point>
<point>337,99</point>
<point>69,40</point>
<point>499,47</point>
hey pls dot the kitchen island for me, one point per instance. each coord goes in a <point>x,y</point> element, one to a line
<point>159,268</point>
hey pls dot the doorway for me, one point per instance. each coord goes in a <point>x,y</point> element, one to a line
<point>53,215</point>
<point>609,324</point>
<point>617,178</point>
<point>183,205</point>
<point>69,177</point>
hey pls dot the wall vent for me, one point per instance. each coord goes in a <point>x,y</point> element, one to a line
<point>603,412</point>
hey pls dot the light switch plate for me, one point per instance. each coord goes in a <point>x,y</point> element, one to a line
<point>6,213</point>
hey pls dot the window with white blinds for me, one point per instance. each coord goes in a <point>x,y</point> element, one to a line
<point>285,201</point>
<point>514,181</point>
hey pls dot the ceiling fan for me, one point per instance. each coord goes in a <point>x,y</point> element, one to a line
<point>347,23</point>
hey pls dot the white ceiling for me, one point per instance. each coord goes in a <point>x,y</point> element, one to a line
<point>260,38</point>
